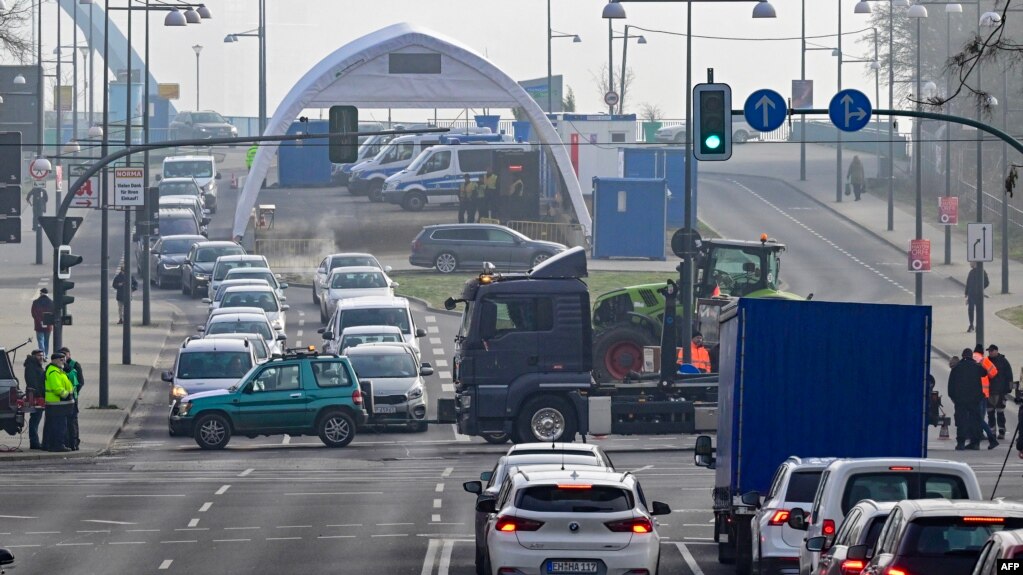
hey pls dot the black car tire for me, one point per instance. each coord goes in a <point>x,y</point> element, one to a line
<point>376,188</point>
<point>726,553</point>
<point>413,202</point>
<point>554,407</point>
<point>446,262</point>
<point>680,138</point>
<point>192,292</point>
<point>740,137</point>
<point>336,429</point>
<point>495,438</point>
<point>212,431</point>
<point>418,427</point>
<point>538,259</point>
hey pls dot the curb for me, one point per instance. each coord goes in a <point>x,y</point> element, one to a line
<point>844,217</point>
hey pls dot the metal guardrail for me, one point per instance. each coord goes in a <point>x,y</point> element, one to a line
<point>569,234</point>
<point>289,254</point>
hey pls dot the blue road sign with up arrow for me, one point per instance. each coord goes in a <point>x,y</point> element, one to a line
<point>765,110</point>
<point>849,110</point>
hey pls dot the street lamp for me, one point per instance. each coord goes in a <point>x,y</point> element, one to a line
<point>175,18</point>
<point>918,13</point>
<point>260,34</point>
<point>613,10</point>
<point>19,80</point>
<point>986,20</point>
<point>625,54</point>
<point>198,50</point>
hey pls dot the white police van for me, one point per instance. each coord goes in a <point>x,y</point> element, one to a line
<point>368,176</point>
<point>436,175</point>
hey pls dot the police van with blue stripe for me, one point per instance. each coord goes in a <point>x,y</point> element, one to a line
<point>436,175</point>
<point>368,177</point>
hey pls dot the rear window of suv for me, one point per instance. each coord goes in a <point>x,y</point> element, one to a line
<point>572,499</point>
<point>951,536</point>
<point>895,486</point>
<point>803,486</point>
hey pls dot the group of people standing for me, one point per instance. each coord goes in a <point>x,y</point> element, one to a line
<point>979,386</point>
<point>59,383</point>
<point>480,199</point>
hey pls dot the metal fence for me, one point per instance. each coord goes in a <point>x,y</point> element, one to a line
<point>292,254</point>
<point>569,234</point>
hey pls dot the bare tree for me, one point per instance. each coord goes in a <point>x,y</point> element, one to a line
<point>15,31</point>
<point>600,81</point>
<point>650,112</point>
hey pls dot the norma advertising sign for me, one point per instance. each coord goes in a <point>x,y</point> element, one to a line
<point>948,211</point>
<point>920,255</point>
<point>129,187</point>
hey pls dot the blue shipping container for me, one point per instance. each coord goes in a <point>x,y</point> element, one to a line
<point>668,163</point>
<point>304,162</point>
<point>801,378</point>
<point>629,218</point>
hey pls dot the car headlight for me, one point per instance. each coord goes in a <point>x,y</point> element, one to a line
<point>416,392</point>
<point>169,266</point>
<point>202,277</point>
<point>177,392</point>
<point>234,130</point>
<point>183,408</point>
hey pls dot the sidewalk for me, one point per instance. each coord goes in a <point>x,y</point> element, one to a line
<point>870,214</point>
<point>20,284</point>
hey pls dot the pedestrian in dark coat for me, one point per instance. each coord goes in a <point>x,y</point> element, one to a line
<point>41,306</point>
<point>998,390</point>
<point>976,283</point>
<point>121,286</point>
<point>966,392</point>
<point>35,379</point>
<point>76,374</point>
<point>856,177</point>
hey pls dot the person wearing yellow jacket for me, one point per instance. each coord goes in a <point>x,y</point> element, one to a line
<point>59,404</point>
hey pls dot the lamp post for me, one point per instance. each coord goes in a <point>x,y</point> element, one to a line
<point>614,10</point>
<point>986,20</point>
<point>552,34</point>
<point>950,9</point>
<point>918,13</point>
<point>259,33</point>
<point>625,54</point>
<point>198,50</point>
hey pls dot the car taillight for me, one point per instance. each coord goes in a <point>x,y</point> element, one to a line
<point>510,524</point>
<point>983,520</point>
<point>895,571</point>
<point>415,245</point>
<point>635,525</point>
<point>780,517</point>
<point>357,397</point>
<point>852,567</point>
<point>828,527</point>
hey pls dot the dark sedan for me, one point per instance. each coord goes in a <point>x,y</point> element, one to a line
<point>450,247</point>
<point>200,125</point>
<point>166,257</point>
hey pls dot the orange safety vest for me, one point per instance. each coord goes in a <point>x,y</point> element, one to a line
<point>700,357</point>
<point>989,367</point>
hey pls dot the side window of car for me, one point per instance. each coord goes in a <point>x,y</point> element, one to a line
<point>502,497</point>
<point>775,483</point>
<point>500,237</point>
<point>988,558</point>
<point>642,496</point>
<point>888,534</point>
<point>331,374</point>
<point>277,378</point>
<point>820,495</point>
<point>848,532</point>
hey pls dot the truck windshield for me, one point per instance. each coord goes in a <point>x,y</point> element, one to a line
<point>740,271</point>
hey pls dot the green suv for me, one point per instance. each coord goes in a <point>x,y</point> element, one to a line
<point>302,393</point>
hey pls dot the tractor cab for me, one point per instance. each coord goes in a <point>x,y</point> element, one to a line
<point>737,268</point>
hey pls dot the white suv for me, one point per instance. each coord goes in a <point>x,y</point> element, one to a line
<point>571,521</point>
<point>372,310</point>
<point>775,544</point>
<point>846,482</point>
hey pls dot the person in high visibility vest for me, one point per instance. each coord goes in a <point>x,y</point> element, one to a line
<point>700,355</point>
<point>985,383</point>
<point>466,201</point>
<point>490,193</point>
<point>58,404</point>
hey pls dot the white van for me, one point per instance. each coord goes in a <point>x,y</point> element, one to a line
<point>436,174</point>
<point>368,177</point>
<point>846,482</point>
<point>371,310</point>
<point>203,169</point>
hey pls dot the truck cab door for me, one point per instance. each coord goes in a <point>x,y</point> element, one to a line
<point>508,337</point>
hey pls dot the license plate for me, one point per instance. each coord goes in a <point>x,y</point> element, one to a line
<point>384,409</point>
<point>570,567</point>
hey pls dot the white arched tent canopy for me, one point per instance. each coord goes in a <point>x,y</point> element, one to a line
<point>374,72</point>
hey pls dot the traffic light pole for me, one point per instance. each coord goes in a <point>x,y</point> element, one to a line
<point>686,269</point>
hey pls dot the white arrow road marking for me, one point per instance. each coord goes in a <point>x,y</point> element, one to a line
<point>689,559</point>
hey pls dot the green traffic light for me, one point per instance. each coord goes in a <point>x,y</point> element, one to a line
<point>712,142</point>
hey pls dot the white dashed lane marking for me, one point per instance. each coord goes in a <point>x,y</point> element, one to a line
<point>223,489</point>
<point>439,488</point>
<point>439,351</point>
<point>441,362</point>
<point>246,472</point>
<point>430,318</point>
<point>432,329</point>
<point>205,507</point>
<point>434,341</point>
<point>194,522</point>
<point>444,374</point>
<point>166,564</point>
<point>447,387</point>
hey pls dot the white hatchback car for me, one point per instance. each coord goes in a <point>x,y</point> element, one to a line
<point>260,296</point>
<point>352,282</point>
<point>572,521</point>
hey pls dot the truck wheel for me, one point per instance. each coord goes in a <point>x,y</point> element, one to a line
<point>496,438</point>
<point>212,431</point>
<point>336,429</point>
<point>726,553</point>
<point>414,202</point>
<point>545,419</point>
<point>743,547</point>
<point>619,350</point>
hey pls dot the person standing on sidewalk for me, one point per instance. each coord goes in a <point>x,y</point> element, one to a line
<point>491,194</point>
<point>58,401</point>
<point>856,177</point>
<point>466,192</point>
<point>35,379</point>
<point>1001,385</point>
<point>37,198</point>
<point>966,394</point>
<point>120,285</point>
<point>74,371</point>
<point>976,283</point>
<point>41,306</point>
<point>990,371</point>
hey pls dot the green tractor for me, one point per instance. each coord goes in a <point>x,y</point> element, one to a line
<point>628,319</point>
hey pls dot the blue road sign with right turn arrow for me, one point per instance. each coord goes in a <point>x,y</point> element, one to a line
<point>765,110</point>
<point>849,110</point>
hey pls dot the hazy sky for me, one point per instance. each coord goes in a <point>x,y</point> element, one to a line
<point>513,36</point>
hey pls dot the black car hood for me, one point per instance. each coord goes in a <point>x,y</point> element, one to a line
<point>173,258</point>
<point>203,267</point>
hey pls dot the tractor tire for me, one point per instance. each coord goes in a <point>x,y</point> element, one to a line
<point>619,350</point>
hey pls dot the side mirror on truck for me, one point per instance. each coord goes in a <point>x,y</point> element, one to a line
<point>797,519</point>
<point>704,452</point>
